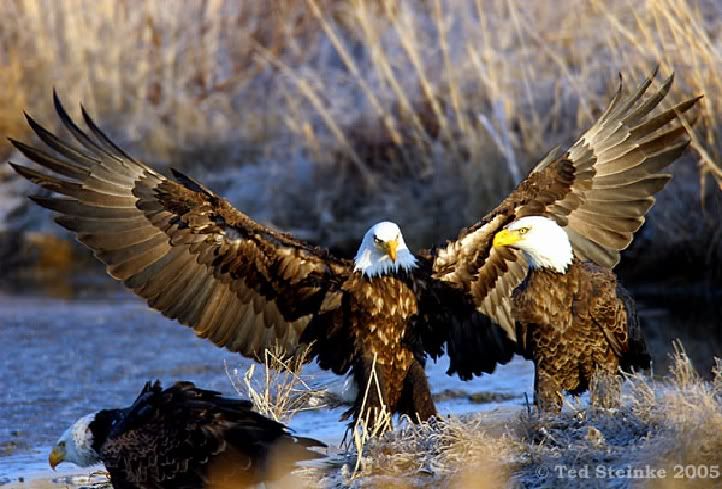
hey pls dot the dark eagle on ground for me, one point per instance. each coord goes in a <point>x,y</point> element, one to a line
<point>183,437</point>
<point>532,277</point>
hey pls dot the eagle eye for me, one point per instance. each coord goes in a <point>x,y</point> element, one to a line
<point>523,230</point>
<point>376,239</point>
<point>61,443</point>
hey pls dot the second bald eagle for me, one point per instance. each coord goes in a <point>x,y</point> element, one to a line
<point>533,276</point>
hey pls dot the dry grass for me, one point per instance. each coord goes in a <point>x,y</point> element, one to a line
<point>454,451</point>
<point>670,424</point>
<point>282,390</point>
<point>323,117</point>
<point>370,424</point>
<point>690,412</point>
<point>12,99</point>
<point>666,424</point>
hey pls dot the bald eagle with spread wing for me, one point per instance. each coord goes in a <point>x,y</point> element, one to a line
<point>534,276</point>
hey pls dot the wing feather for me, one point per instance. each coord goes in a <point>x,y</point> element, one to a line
<point>599,191</point>
<point>630,149</point>
<point>181,247</point>
<point>488,275</point>
<point>225,328</point>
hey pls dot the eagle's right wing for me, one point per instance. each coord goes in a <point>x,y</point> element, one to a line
<point>599,191</point>
<point>182,248</point>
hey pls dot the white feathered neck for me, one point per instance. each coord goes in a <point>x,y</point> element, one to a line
<point>544,242</point>
<point>371,258</point>
<point>78,442</point>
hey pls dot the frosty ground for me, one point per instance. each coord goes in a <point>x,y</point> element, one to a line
<point>63,359</point>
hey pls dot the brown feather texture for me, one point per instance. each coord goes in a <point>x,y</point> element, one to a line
<point>245,286</point>
<point>248,287</point>
<point>185,437</point>
<point>599,191</point>
<point>185,250</point>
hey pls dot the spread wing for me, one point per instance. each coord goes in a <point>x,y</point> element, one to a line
<point>181,247</point>
<point>599,191</point>
<point>452,319</point>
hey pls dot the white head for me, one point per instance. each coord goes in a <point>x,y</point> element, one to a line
<point>543,241</point>
<point>383,251</point>
<point>76,445</point>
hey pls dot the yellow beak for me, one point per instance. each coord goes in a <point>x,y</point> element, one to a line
<point>56,456</point>
<point>506,238</point>
<point>391,249</point>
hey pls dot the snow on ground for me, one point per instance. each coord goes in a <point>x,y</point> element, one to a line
<point>63,359</point>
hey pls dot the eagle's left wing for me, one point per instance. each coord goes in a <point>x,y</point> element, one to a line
<point>188,251</point>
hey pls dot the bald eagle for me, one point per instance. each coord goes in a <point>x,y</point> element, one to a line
<point>183,437</point>
<point>532,277</point>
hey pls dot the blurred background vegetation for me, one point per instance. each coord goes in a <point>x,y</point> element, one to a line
<point>321,117</point>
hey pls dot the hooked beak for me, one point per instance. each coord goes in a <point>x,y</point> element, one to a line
<point>391,249</point>
<point>57,455</point>
<point>506,238</point>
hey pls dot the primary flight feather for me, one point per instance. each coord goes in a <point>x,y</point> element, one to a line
<point>494,291</point>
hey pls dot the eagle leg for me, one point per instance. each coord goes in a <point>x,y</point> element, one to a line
<point>605,388</point>
<point>416,401</point>
<point>548,395</point>
<point>372,399</point>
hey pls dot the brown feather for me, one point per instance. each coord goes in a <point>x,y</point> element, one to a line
<point>121,255</point>
<point>71,207</point>
<point>599,191</point>
<point>578,327</point>
<point>130,267</point>
<point>161,275</point>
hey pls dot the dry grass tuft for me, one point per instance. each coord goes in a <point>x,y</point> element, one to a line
<point>690,414</point>
<point>668,424</point>
<point>372,423</point>
<point>13,99</point>
<point>452,452</point>
<point>282,390</point>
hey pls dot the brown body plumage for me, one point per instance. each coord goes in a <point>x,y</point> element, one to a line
<point>247,287</point>
<point>387,305</point>
<point>575,326</point>
<point>575,323</point>
<point>184,437</point>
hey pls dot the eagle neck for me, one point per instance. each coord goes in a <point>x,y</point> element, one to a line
<point>372,264</point>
